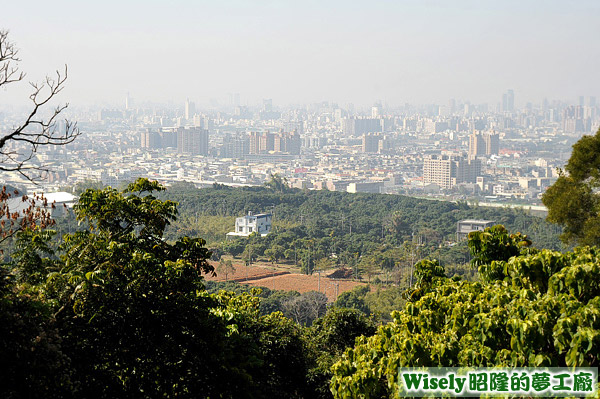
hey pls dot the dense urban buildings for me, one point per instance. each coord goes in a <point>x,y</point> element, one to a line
<point>490,153</point>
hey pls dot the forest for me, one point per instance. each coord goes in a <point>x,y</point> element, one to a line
<point>373,235</point>
<point>115,310</point>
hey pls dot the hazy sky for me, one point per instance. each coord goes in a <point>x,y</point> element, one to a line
<point>307,51</point>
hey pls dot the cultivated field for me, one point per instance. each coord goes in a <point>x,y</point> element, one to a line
<point>287,279</point>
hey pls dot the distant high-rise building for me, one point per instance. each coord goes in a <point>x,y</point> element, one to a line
<point>370,142</point>
<point>452,106</point>
<point>508,101</point>
<point>476,145</point>
<point>192,140</point>
<point>254,143</point>
<point>574,120</point>
<point>190,109</point>
<point>234,147</point>
<point>581,101</point>
<point>268,105</point>
<point>492,143</point>
<point>376,111</point>
<point>287,142</point>
<point>234,99</point>
<point>483,144</point>
<point>128,102</point>
<point>592,101</point>
<point>154,139</point>
<point>267,142</point>
<point>260,143</point>
<point>150,139</point>
<point>360,126</point>
<point>447,171</point>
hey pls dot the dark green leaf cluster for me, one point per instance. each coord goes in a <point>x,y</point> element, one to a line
<point>116,311</point>
<point>573,200</point>
<point>535,308</point>
<point>378,237</point>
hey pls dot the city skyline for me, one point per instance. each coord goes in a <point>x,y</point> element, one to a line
<point>295,53</point>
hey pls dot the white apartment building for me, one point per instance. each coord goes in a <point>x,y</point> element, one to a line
<point>246,225</point>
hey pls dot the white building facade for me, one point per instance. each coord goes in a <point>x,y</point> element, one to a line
<point>246,225</point>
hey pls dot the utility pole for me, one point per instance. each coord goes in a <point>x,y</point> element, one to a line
<point>249,262</point>
<point>272,215</point>
<point>319,281</point>
<point>412,258</point>
<point>308,263</point>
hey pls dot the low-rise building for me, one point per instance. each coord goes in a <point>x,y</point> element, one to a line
<point>246,225</point>
<point>464,227</point>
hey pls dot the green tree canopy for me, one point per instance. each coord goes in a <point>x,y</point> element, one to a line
<point>119,312</point>
<point>573,200</point>
<point>544,310</point>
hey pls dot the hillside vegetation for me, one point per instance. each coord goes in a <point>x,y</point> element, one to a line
<point>116,310</point>
<point>375,235</point>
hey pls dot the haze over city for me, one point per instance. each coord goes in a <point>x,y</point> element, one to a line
<point>309,200</point>
<point>358,52</point>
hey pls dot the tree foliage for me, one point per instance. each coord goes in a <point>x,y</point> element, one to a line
<point>543,311</point>
<point>120,312</point>
<point>573,200</point>
<point>379,237</point>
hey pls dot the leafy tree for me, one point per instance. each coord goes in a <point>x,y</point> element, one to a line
<point>354,299</point>
<point>339,327</point>
<point>32,360</point>
<point>539,314</point>
<point>81,186</point>
<point>234,247</point>
<point>275,253</point>
<point>131,308</point>
<point>324,264</point>
<point>398,226</point>
<point>278,183</point>
<point>493,247</point>
<point>573,200</point>
<point>383,301</point>
<point>271,348</point>
<point>427,273</point>
<point>225,267</point>
<point>275,302</point>
<point>329,337</point>
<point>371,265</point>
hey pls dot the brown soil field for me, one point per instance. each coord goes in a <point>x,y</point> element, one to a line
<point>287,279</point>
<point>242,272</point>
<point>303,283</point>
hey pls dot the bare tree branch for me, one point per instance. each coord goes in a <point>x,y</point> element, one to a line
<point>18,147</point>
<point>8,58</point>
